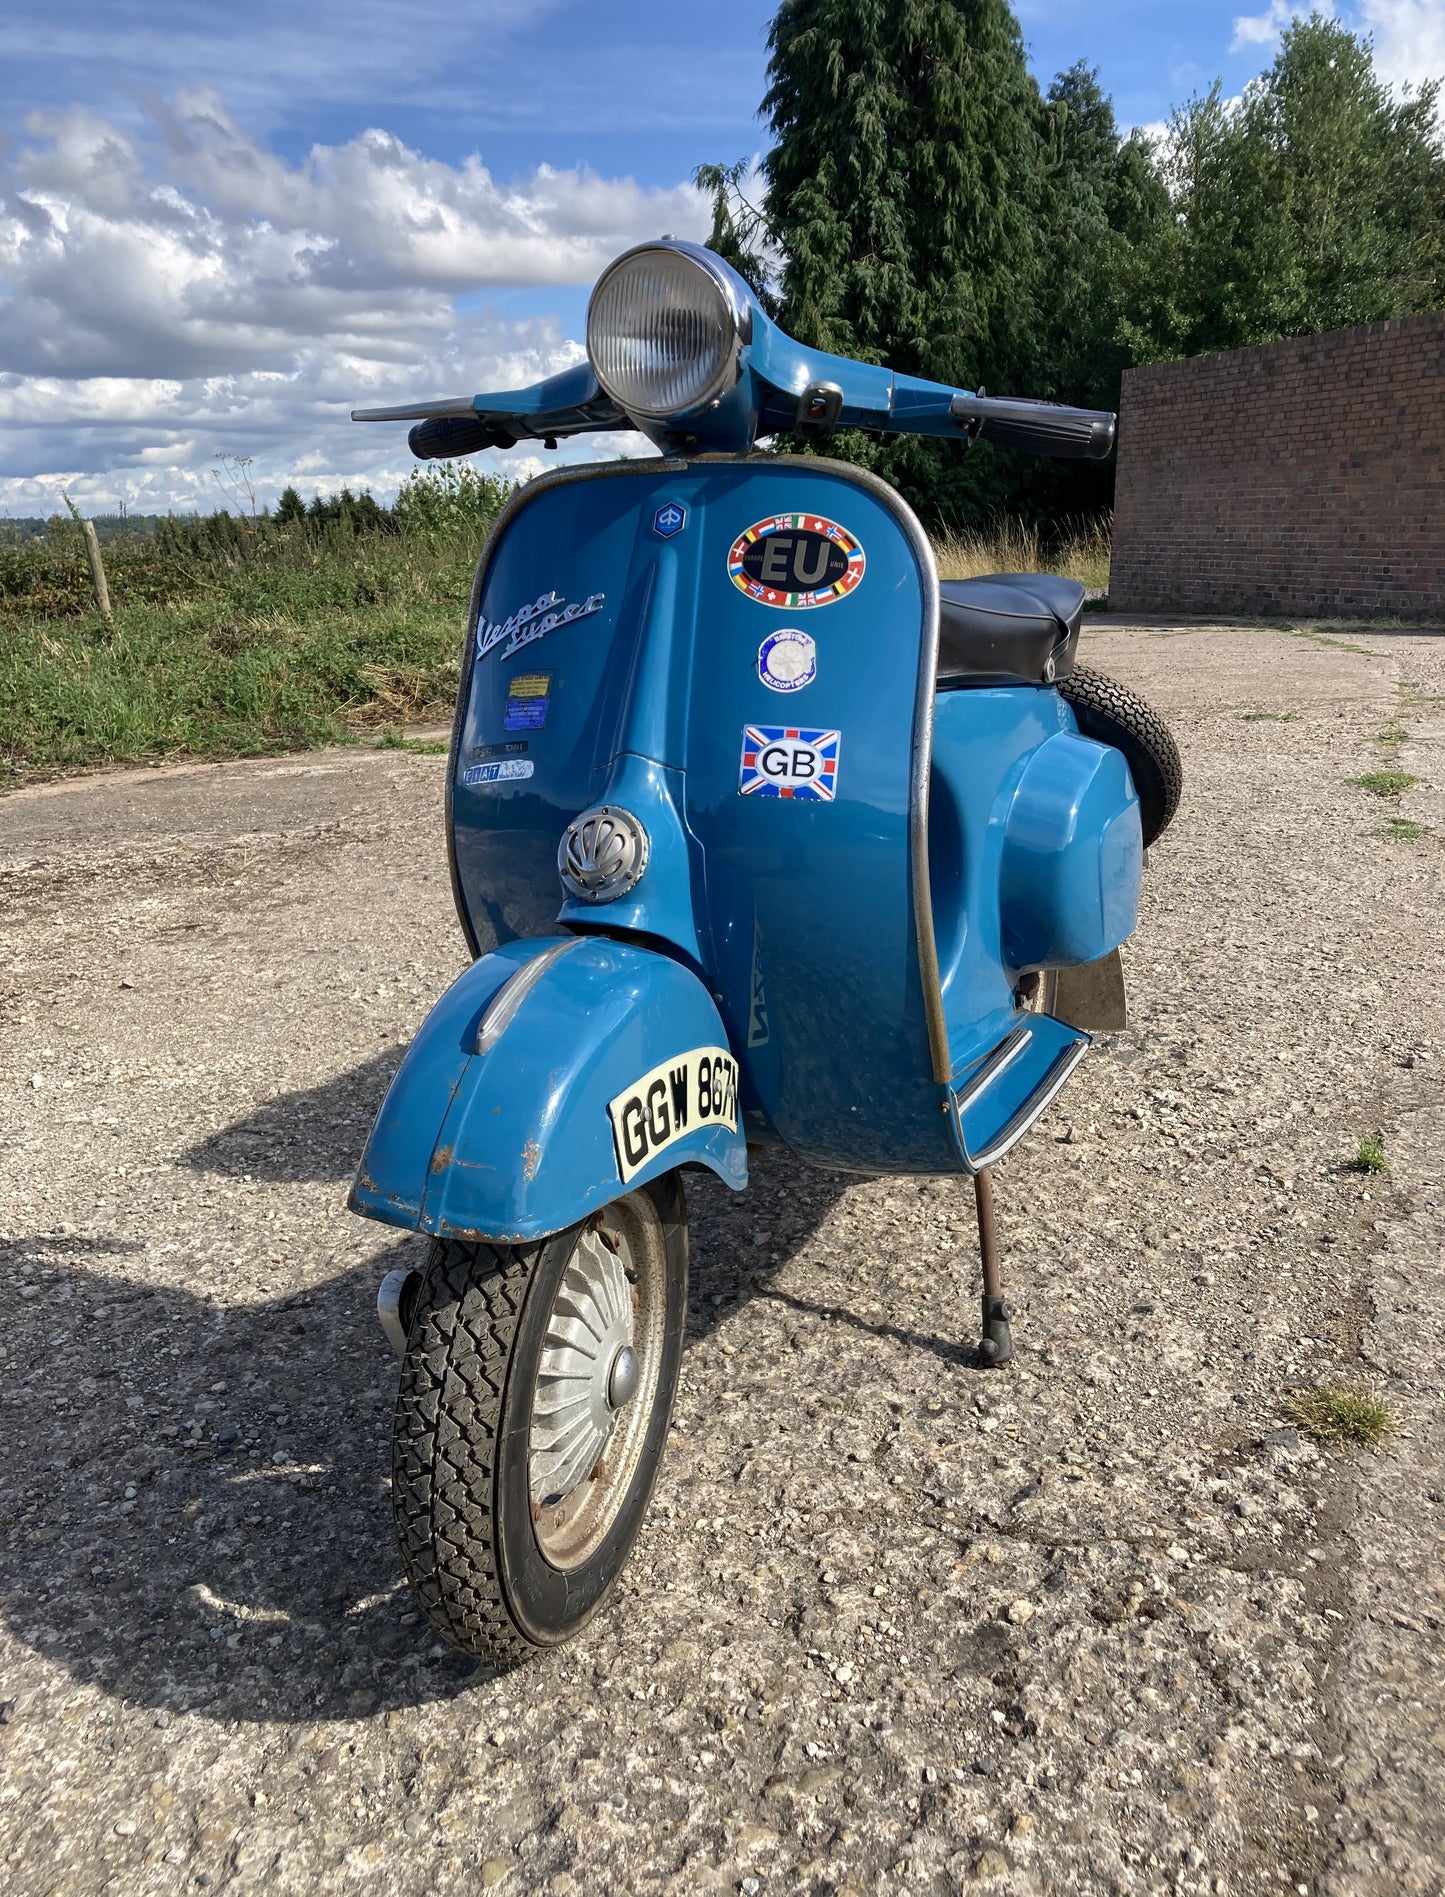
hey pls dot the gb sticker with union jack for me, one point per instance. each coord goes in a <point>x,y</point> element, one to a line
<point>795,561</point>
<point>790,761</point>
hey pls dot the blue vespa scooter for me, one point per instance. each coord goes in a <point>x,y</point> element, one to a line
<point>759,836</point>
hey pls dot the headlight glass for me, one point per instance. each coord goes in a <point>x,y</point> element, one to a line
<point>661,333</point>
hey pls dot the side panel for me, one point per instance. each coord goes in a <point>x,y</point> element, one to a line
<point>518,1142</point>
<point>983,740</point>
<point>1073,856</point>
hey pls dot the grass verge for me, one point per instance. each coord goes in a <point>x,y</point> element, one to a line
<point>200,678</point>
<point>234,639</point>
<point>238,638</point>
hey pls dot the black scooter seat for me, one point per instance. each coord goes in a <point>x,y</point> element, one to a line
<point>1008,628</point>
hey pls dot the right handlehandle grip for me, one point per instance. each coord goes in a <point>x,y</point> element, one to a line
<point>1046,428</point>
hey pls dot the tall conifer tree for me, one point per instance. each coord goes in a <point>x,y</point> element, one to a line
<point>909,192</point>
<point>903,179</point>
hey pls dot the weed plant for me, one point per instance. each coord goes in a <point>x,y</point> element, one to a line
<point>1370,1154</point>
<point>1338,1413</point>
<point>1403,830</point>
<point>1385,783</point>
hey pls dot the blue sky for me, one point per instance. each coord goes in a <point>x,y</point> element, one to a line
<point>221,225</point>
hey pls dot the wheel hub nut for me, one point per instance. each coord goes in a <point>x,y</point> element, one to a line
<point>623,1378</point>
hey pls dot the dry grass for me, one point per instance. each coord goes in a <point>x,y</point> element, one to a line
<point>1080,551</point>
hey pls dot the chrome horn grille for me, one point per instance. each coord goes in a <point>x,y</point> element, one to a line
<point>602,854</point>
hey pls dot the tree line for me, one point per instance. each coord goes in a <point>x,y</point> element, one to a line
<point>925,204</point>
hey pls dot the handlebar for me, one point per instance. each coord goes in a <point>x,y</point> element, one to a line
<point>1047,428</point>
<point>846,394</point>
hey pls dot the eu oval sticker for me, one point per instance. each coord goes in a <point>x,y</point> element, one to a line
<point>795,561</point>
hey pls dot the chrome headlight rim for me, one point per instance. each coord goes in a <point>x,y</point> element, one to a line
<point>737,306</point>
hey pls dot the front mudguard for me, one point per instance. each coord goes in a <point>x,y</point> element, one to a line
<point>517,1142</point>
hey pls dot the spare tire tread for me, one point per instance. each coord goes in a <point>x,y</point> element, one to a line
<point>1112,714</point>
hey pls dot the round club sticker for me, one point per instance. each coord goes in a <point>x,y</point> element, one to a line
<point>794,561</point>
<point>787,660</point>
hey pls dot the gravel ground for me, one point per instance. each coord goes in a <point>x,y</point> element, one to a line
<point>1104,1622</point>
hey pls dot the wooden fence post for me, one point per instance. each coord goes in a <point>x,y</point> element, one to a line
<point>92,553</point>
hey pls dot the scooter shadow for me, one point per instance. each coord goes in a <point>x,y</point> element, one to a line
<point>243,1569</point>
<point>313,1133</point>
<point>317,1133</point>
<point>201,1519</point>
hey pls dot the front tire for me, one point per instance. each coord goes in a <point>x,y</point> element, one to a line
<point>536,1392</point>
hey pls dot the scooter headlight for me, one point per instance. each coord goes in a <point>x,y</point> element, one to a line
<point>665,330</point>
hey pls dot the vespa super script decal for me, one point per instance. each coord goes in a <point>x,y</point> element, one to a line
<point>796,561</point>
<point>691,1091</point>
<point>544,615</point>
<point>789,761</point>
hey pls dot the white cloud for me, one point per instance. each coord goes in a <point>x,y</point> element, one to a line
<point>1409,35</point>
<point>1409,38</point>
<point>169,293</point>
<point>1264,29</point>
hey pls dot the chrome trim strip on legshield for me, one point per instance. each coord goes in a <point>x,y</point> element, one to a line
<point>922,770</point>
<point>1004,1055</point>
<point>501,1010</point>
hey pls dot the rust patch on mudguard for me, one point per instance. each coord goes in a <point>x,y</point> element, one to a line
<point>442,1158</point>
<point>531,1159</point>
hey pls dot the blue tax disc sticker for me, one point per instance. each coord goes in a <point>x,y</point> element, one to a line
<point>788,660</point>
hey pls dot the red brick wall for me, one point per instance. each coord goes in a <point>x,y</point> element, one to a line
<point>1302,478</point>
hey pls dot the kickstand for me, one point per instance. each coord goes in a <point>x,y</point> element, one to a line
<point>997,1344</point>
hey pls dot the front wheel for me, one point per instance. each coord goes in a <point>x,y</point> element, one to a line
<point>535,1396</point>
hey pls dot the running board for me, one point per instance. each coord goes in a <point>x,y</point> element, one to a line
<point>996,1104</point>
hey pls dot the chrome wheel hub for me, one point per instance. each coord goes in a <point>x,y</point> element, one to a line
<point>573,1411</point>
<point>623,1378</point>
<point>597,1379</point>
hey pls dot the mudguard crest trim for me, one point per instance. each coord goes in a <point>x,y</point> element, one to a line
<point>517,1143</point>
